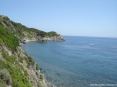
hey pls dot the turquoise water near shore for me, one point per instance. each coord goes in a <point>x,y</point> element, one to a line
<point>77,61</point>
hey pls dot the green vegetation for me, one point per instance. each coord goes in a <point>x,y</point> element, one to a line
<point>8,39</point>
<point>2,83</point>
<point>37,67</point>
<point>30,61</point>
<point>41,76</point>
<point>52,33</point>
<point>18,75</point>
<point>19,31</point>
<point>41,33</point>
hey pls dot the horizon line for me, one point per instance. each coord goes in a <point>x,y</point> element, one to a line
<point>89,36</point>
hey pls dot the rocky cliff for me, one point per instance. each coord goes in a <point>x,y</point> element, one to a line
<point>17,69</point>
<point>25,33</point>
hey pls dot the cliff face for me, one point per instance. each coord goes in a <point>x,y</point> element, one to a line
<point>17,69</point>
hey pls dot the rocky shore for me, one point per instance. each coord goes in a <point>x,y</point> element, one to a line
<point>17,69</point>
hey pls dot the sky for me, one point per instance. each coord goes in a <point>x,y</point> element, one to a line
<point>67,17</point>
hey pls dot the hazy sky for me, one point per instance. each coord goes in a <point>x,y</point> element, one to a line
<point>68,17</point>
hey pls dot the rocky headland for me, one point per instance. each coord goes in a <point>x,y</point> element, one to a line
<point>17,69</point>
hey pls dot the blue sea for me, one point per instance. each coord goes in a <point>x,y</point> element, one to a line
<point>77,61</point>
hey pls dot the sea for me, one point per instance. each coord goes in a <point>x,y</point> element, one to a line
<point>77,61</point>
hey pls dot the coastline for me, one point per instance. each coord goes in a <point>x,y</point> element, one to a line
<point>22,69</point>
<point>45,82</point>
<point>54,38</point>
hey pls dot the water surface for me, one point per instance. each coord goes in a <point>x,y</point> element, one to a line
<point>78,61</point>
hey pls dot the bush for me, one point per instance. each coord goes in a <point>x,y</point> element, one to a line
<point>37,67</point>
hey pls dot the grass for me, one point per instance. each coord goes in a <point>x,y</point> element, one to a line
<point>20,77</point>
<point>8,39</point>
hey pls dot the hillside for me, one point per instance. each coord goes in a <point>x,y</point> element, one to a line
<point>17,69</point>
